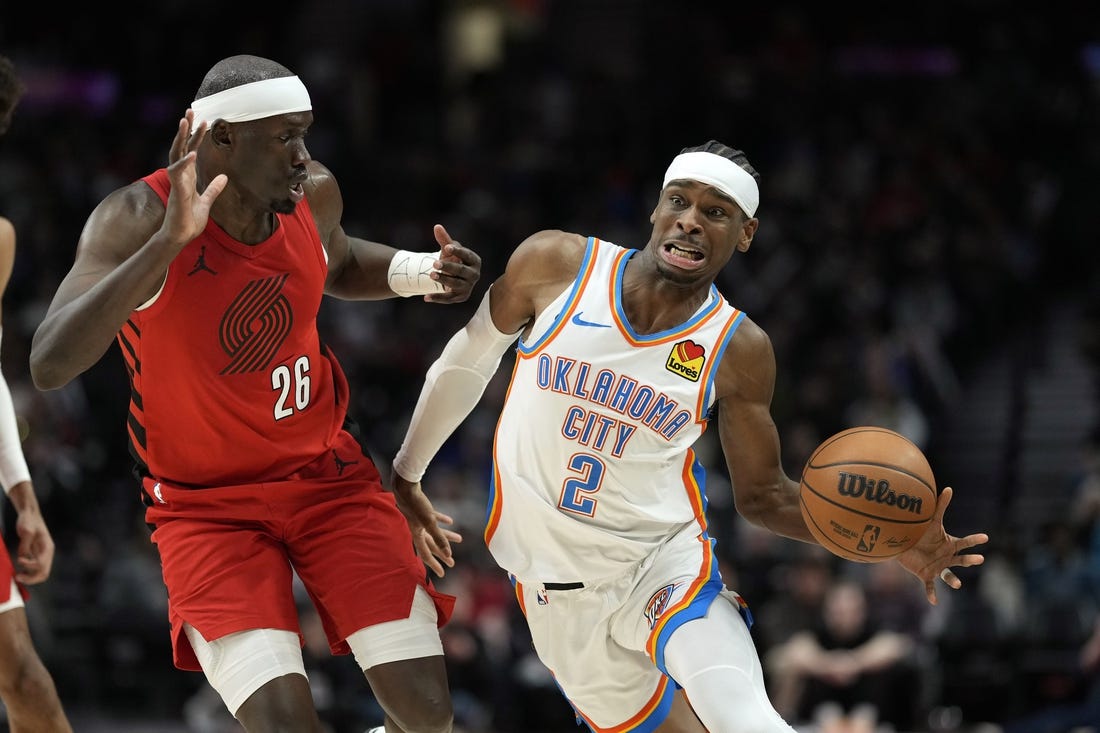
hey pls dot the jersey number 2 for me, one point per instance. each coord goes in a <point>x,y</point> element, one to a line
<point>576,493</point>
<point>291,384</point>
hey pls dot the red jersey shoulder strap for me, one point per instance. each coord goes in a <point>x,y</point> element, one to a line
<point>158,181</point>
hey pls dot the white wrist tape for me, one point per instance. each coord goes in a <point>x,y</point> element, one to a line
<point>452,388</point>
<point>410,273</point>
<point>13,466</point>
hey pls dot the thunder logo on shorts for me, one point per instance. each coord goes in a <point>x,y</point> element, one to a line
<point>657,604</point>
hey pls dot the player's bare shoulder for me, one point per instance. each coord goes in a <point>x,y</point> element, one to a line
<point>324,197</point>
<point>547,258</point>
<point>124,220</point>
<point>748,365</point>
<point>539,269</point>
<point>322,190</point>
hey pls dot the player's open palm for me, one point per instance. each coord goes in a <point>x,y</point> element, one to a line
<point>188,210</point>
<point>184,142</point>
<point>432,542</point>
<point>937,552</point>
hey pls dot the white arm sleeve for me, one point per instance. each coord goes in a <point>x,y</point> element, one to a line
<point>13,466</point>
<point>452,388</point>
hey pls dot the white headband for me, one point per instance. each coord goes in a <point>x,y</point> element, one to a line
<point>254,101</point>
<point>722,173</point>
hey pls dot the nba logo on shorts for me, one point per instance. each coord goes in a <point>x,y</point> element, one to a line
<point>543,599</point>
<point>869,538</point>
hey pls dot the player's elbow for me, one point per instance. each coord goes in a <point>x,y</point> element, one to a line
<point>759,503</point>
<point>45,378</point>
<point>46,372</point>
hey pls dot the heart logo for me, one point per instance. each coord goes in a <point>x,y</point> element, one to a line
<point>686,360</point>
<point>689,351</point>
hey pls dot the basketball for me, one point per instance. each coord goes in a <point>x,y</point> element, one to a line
<point>867,494</point>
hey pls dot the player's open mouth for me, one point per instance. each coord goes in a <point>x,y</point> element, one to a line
<point>297,192</point>
<point>681,252</point>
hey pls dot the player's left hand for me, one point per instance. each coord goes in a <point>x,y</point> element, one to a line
<point>432,541</point>
<point>937,552</point>
<point>34,557</point>
<point>458,269</point>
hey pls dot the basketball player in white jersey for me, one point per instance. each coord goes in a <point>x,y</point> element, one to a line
<point>597,507</point>
<point>27,688</point>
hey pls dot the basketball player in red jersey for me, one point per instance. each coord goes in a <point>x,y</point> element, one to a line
<point>209,274</point>
<point>26,687</point>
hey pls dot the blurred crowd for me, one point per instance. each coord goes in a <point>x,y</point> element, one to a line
<point>928,178</point>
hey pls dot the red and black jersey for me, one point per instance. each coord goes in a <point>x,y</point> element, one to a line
<point>230,383</point>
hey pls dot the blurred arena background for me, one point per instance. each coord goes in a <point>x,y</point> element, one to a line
<point>925,262</point>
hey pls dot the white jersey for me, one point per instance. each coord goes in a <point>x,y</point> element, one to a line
<point>593,466</point>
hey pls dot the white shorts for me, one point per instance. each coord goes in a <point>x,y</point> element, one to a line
<point>605,643</point>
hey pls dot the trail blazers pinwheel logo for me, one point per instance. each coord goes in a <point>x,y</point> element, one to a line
<point>687,359</point>
<point>255,325</point>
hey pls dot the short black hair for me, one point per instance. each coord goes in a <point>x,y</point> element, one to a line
<point>737,156</point>
<point>237,70</point>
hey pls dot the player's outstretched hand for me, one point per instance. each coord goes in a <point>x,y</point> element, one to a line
<point>937,552</point>
<point>432,541</point>
<point>188,210</point>
<point>185,142</point>
<point>458,269</point>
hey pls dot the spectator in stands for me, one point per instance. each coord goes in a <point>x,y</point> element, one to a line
<point>846,673</point>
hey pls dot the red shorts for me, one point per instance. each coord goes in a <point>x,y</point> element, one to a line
<point>7,574</point>
<point>228,554</point>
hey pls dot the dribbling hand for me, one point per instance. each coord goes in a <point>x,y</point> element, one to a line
<point>937,552</point>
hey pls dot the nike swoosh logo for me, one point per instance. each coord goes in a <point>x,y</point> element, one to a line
<point>581,322</point>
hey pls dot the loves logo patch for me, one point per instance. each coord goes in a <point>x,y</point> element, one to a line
<point>687,360</point>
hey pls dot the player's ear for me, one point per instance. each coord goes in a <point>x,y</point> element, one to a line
<point>748,230</point>
<point>653,214</point>
<point>219,133</point>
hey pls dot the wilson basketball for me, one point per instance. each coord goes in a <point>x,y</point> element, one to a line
<point>867,494</point>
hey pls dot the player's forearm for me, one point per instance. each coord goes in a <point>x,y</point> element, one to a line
<point>76,333</point>
<point>775,507</point>
<point>362,274</point>
<point>67,344</point>
<point>452,388</point>
<point>13,466</point>
<point>22,497</point>
<point>447,397</point>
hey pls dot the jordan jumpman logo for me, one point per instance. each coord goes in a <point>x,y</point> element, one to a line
<point>200,263</point>
<point>341,464</point>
